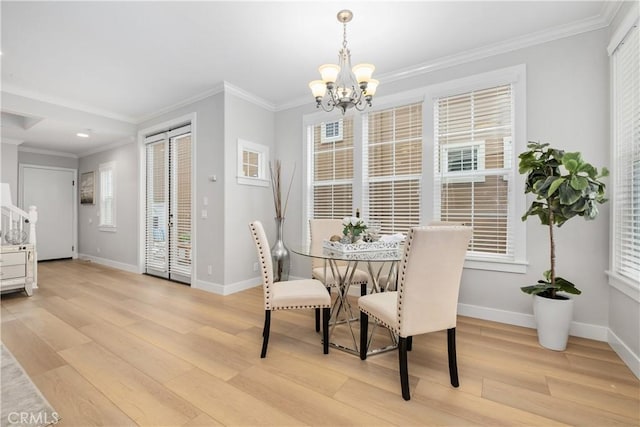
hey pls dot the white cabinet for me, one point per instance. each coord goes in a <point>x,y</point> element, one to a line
<point>17,268</point>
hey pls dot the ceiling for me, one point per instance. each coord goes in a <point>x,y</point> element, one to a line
<point>69,67</point>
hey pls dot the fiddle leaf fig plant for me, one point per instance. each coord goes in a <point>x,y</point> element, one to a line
<point>565,187</point>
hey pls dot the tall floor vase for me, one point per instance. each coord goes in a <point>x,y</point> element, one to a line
<point>280,255</point>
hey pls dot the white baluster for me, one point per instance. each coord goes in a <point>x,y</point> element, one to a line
<point>33,219</point>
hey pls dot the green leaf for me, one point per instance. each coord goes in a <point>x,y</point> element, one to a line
<point>579,182</point>
<point>572,161</point>
<point>554,185</point>
<point>568,195</point>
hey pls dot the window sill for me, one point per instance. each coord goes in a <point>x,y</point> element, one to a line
<point>629,287</point>
<point>108,228</point>
<point>258,182</point>
<point>519,267</point>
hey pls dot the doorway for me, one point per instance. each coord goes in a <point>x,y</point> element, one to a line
<point>168,222</point>
<point>53,192</point>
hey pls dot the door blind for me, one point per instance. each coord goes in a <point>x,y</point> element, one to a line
<point>473,170</point>
<point>393,167</point>
<point>626,247</point>
<point>157,190</point>
<point>180,214</point>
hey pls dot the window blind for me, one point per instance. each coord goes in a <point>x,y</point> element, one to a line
<point>107,195</point>
<point>473,166</point>
<point>626,161</point>
<point>332,166</point>
<point>393,167</point>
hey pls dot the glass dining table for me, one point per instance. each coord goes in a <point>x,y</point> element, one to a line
<point>344,323</point>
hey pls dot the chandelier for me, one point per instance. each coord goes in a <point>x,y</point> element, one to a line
<point>341,86</point>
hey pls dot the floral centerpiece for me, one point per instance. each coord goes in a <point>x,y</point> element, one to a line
<point>354,227</point>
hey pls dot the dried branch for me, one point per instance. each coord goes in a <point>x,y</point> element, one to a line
<point>275,171</point>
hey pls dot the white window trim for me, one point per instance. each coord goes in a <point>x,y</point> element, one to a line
<point>515,75</point>
<point>624,284</point>
<point>464,176</point>
<point>101,168</point>
<point>262,180</point>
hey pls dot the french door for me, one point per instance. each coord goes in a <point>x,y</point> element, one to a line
<point>168,251</point>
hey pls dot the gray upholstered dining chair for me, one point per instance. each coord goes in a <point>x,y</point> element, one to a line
<point>427,296</point>
<point>287,295</point>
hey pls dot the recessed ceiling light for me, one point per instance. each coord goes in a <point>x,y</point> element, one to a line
<point>82,135</point>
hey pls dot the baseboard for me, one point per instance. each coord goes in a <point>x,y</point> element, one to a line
<point>110,263</point>
<point>578,329</point>
<point>628,357</point>
<point>232,288</point>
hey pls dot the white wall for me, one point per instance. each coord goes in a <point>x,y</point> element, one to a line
<point>117,248</point>
<point>568,106</point>
<point>9,168</point>
<point>209,145</point>
<point>245,203</point>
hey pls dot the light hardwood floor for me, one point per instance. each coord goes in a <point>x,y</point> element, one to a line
<point>107,347</point>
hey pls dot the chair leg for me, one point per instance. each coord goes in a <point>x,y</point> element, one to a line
<point>317,320</point>
<point>326,313</point>
<point>364,334</point>
<point>409,343</point>
<point>265,333</point>
<point>453,364</point>
<point>363,289</point>
<point>404,370</point>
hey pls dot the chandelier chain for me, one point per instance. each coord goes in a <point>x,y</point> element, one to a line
<point>344,35</point>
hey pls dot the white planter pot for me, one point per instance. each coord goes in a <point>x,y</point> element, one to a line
<point>553,320</point>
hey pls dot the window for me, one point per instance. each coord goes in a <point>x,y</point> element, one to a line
<point>479,124</point>
<point>253,160</point>
<point>331,166</point>
<point>331,131</point>
<point>107,197</point>
<point>393,167</point>
<point>462,160</point>
<point>626,160</point>
<point>443,152</point>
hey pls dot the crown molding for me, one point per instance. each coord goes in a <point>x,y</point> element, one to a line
<point>12,141</point>
<point>47,152</point>
<point>537,38</point>
<point>247,96</point>
<point>218,88</point>
<point>609,10</point>
<point>107,147</point>
<point>10,89</point>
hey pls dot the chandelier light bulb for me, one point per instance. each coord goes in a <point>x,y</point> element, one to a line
<point>318,88</point>
<point>363,72</point>
<point>329,72</point>
<point>371,87</point>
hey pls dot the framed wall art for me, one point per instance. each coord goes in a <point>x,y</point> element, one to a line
<point>87,188</point>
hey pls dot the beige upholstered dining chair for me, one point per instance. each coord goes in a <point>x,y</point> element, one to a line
<point>427,295</point>
<point>321,229</point>
<point>287,295</point>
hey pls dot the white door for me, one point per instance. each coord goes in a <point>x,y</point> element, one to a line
<point>52,191</point>
<point>168,208</point>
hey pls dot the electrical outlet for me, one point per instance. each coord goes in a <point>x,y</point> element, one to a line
<point>209,270</point>
<point>98,250</point>
<point>255,266</point>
